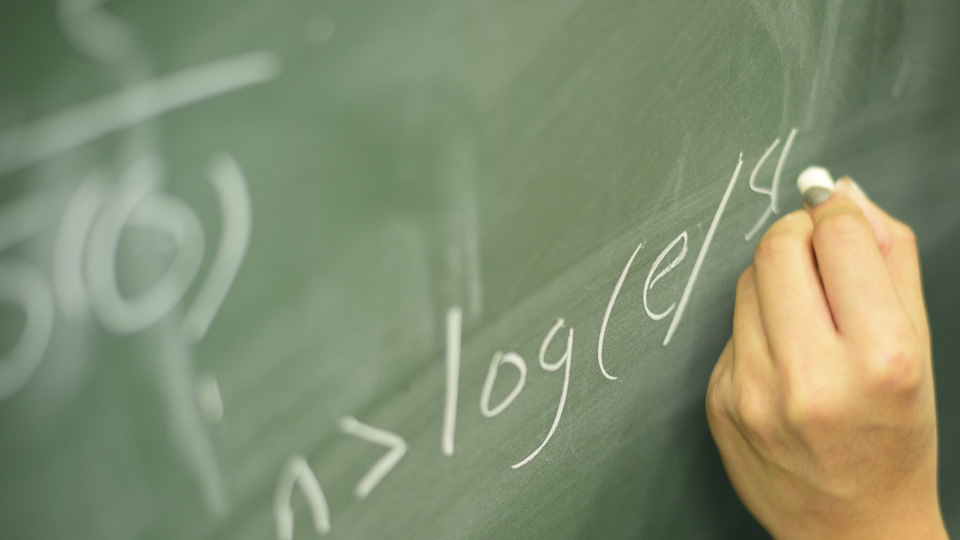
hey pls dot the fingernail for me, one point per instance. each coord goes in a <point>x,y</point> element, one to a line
<point>816,195</point>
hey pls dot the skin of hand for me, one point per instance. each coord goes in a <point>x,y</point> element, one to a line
<point>822,402</point>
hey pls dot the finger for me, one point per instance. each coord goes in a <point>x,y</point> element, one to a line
<point>791,298</point>
<point>749,338</point>
<point>721,409</point>
<point>877,218</point>
<point>858,285</point>
<point>898,245</point>
<point>720,377</point>
<point>718,406</point>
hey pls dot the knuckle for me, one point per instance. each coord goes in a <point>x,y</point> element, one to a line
<point>753,411</point>
<point>776,245</point>
<point>716,399</point>
<point>714,402</point>
<point>811,408</point>
<point>897,367</point>
<point>804,412</point>
<point>902,233</point>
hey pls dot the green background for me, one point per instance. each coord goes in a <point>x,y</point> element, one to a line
<point>402,158</point>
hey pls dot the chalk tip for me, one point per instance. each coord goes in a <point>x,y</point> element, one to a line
<point>815,177</point>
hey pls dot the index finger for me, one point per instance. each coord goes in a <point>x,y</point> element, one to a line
<point>792,303</point>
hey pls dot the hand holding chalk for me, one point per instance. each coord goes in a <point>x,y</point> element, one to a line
<point>821,404</point>
<point>815,185</point>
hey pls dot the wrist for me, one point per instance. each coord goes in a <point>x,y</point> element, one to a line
<point>913,521</point>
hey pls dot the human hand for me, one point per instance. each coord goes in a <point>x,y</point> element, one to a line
<point>821,403</point>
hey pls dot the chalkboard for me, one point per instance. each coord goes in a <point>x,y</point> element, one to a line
<point>425,269</point>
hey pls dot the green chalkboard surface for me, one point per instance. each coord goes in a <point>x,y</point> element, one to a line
<point>432,269</point>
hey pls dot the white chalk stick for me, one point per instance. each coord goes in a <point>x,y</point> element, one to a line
<point>815,177</point>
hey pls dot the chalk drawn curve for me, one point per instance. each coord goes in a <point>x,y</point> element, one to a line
<point>22,284</point>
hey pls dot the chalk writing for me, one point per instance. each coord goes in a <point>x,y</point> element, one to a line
<point>678,315</point>
<point>609,310</point>
<point>679,308</point>
<point>228,181</point>
<point>499,359</point>
<point>775,186</point>
<point>58,132</point>
<point>136,201</point>
<point>23,285</point>
<point>208,395</point>
<point>648,285</point>
<point>395,443</point>
<point>71,242</point>
<point>452,387</point>
<point>564,361</point>
<point>297,472</point>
